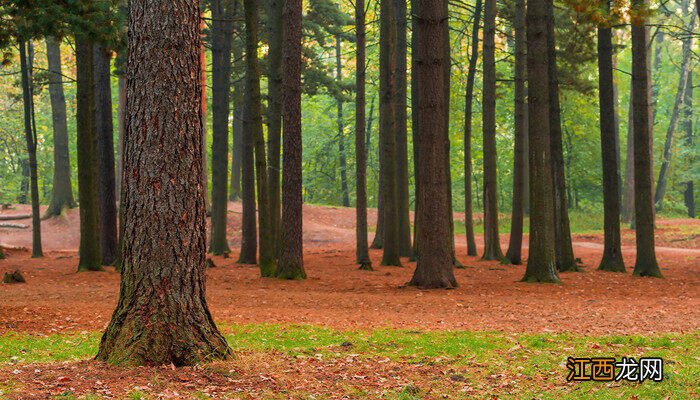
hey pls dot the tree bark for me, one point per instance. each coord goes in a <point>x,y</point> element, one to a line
<point>628,190</point>
<point>434,268</point>
<point>274,113</point>
<point>26,61</point>
<point>514,253</point>
<point>238,101</point>
<point>541,262</point>
<point>344,191</point>
<point>645,264</point>
<point>612,252</point>
<point>291,261</point>
<point>62,192</point>
<point>162,315</point>
<point>361,250</point>
<point>492,245</point>
<point>221,36</point>
<point>121,117</point>
<point>689,192</point>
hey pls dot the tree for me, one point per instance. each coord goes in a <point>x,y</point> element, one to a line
<point>645,264</point>
<point>26,54</point>
<point>274,112</point>
<point>238,96</point>
<point>221,36</point>
<point>492,245</point>
<point>612,252</point>
<point>105,155</point>
<point>344,191</point>
<point>541,262</point>
<point>515,244</point>
<point>387,133</point>
<point>405,249</point>
<point>689,192</point>
<point>291,261</point>
<point>62,191</point>
<point>162,315</point>
<point>361,252</point>
<point>471,74</point>
<point>434,268</point>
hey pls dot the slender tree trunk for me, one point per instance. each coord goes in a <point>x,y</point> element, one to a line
<point>121,117</point>
<point>361,251</point>
<point>541,262</point>
<point>203,78</point>
<point>689,193</point>
<point>562,239</point>
<point>62,192</point>
<point>221,36</point>
<point>645,264</point>
<point>104,131</point>
<point>514,253</point>
<point>628,191</point>
<point>344,191</point>
<point>471,73</point>
<point>24,184</point>
<point>387,132</point>
<point>274,113</point>
<point>612,253</point>
<point>434,268</point>
<point>291,259</point>
<point>26,61</point>
<point>162,315</point>
<point>675,118</point>
<point>492,245</point>
<point>415,127</point>
<point>238,101</point>
<point>378,241</point>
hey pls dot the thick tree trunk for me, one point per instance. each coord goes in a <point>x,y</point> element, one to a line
<point>90,255</point>
<point>562,231</point>
<point>514,253</point>
<point>162,315</point>
<point>689,193</point>
<point>612,253</point>
<point>121,118</point>
<point>62,192</point>
<point>468,101</point>
<point>291,259</point>
<point>492,245</point>
<point>203,79</point>
<point>541,262</point>
<point>434,268</point>
<point>26,61</point>
<point>645,264</point>
<point>361,250</point>
<point>105,156</point>
<point>344,191</point>
<point>221,36</point>
<point>662,182</point>
<point>274,113</point>
<point>387,133</point>
<point>415,127</point>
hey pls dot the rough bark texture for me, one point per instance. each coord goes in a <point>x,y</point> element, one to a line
<point>90,256</point>
<point>541,262</point>
<point>238,100</point>
<point>361,252</point>
<point>434,268</point>
<point>221,36</point>
<point>162,315</point>
<point>344,191</point>
<point>492,244</point>
<point>378,241</point>
<point>291,261</point>
<point>26,61</point>
<point>121,118</point>
<point>612,253</point>
<point>689,193</point>
<point>645,264</point>
<point>62,191</point>
<point>415,124</point>
<point>274,112</point>
<point>387,133</point>
<point>105,156</point>
<point>468,101</point>
<point>515,244</point>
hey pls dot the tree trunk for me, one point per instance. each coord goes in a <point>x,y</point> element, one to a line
<point>434,268</point>
<point>415,127</point>
<point>203,78</point>
<point>689,193</point>
<point>562,232</point>
<point>612,253</point>
<point>471,73</point>
<point>514,253</point>
<point>221,36</point>
<point>121,117</point>
<point>645,264</point>
<point>24,184</point>
<point>104,131</point>
<point>344,192</point>
<point>291,259</point>
<point>492,245</point>
<point>238,101</point>
<point>162,315</point>
<point>378,241</point>
<point>26,60</point>
<point>675,117</point>
<point>361,251</point>
<point>541,262</point>
<point>628,190</point>
<point>274,113</point>
<point>62,192</point>
<point>387,133</point>
<point>90,254</point>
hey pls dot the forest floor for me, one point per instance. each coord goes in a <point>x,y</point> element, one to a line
<point>588,310</point>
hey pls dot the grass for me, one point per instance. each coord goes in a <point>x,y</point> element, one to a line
<point>490,363</point>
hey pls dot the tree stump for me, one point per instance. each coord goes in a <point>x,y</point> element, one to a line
<point>13,277</point>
